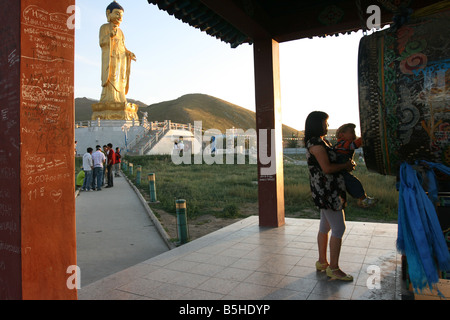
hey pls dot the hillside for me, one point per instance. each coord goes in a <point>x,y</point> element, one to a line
<point>213,112</point>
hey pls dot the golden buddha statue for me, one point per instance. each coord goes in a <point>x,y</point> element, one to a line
<point>116,63</point>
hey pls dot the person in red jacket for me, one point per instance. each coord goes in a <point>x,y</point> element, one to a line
<point>117,164</point>
<point>111,159</point>
<point>345,149</point>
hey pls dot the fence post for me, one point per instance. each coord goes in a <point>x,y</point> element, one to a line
<point>182,227</point>
<point>130,168</point>
<point>152,187</point>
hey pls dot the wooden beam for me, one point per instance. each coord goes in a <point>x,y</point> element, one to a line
<point>296,24</point>
<point>269,133</point>
<point>229,11</point>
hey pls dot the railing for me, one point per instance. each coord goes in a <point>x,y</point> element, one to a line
<point>106,123</point>
<point>169,125</point>
<point>159,133</point>
<point>151,126</point>
<point>158,128</point>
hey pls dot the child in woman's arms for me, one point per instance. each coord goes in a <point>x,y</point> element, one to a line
<point>345,148</point>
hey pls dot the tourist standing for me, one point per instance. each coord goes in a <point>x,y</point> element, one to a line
<point>98,159</point>
<point>117,164</point>
<point>88,166</point>
<point>105,168</point>
<point>181,146</point>
<point>111,158</point>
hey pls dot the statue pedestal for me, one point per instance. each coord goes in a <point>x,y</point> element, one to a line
<point>114,111</point>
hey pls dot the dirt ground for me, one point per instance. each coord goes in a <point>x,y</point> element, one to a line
<point>197,227</point>
<point>206,224</point>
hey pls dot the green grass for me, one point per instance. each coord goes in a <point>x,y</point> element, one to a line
<point>230,190</point>
<point>207,189</point>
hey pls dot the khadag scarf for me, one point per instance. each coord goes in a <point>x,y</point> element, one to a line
<point>431,177</point>
<point>420,236</point>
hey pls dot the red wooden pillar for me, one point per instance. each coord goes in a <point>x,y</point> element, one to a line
<point>37,176</point>
<point>269,131</point>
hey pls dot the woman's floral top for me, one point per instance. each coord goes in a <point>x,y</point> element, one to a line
<point>328,190</point>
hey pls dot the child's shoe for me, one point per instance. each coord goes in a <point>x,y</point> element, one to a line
<point>367,202</point>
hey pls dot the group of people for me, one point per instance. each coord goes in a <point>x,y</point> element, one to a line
<point>330,180</point>
<point>100,167</point>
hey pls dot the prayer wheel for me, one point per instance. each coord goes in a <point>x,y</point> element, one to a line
<point>404,93</point>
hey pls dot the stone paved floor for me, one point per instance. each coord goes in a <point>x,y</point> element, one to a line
<point>245,261</point>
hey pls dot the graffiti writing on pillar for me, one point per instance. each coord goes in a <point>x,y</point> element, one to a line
<point>47,79</point>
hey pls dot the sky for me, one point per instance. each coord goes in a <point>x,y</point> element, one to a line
<point>174,59</point>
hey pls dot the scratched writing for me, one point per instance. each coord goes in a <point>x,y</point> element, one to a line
<point>48,45</point>
<point>5,210</point>
<point>41,94</point>
<point>44,178</point>
<point>9,226</point>
<point>47,90</point>
<point>9,247</point>
<point>13,58</point>
<point>37,16</point>
<point>4,114</point>
<point>8,173</point>
<point>36,193</point>
<point>9,123</point>
<point>9,45</point>
<point>48,139</point>
<point>32,93</point>
<point>35,164</point>
<point>4,194</point>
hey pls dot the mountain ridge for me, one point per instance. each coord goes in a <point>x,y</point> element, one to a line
<point>214,113</point>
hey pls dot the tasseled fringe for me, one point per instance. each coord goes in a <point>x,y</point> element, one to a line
<point>420,236</point>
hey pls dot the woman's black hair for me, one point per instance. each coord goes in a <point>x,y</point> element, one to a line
<point>314,125</point>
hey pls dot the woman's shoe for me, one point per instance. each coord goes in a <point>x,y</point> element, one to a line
<point>330,273</point>
<point>321,266</point>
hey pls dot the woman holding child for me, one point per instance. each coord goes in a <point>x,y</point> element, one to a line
<point>328,192</point>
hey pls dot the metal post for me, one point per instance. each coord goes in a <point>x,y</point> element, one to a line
<point>152,187</point>
<point>182,228</point>
<point>130,168</point>
<point>138,175</point>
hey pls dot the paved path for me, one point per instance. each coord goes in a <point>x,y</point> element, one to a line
<point>114,231</point>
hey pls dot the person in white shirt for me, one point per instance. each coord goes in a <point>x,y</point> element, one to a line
<point>88,165</point>
<point>181,146</point>
<point>99,159</point>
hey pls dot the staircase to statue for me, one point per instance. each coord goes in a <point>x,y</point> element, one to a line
<point>154,132</point>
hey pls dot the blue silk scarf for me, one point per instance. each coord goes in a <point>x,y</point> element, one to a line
<point>420,236</point>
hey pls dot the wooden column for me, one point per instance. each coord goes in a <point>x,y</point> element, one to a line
<point>37,184</point>
<point>269,131</point>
